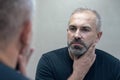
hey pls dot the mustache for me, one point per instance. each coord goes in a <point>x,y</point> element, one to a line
<point>78,41</point>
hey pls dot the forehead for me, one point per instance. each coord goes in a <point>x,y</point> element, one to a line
<point>85,17</point>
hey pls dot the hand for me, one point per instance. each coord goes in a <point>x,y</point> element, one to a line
<point>23,59</point>
<point>82,65</point>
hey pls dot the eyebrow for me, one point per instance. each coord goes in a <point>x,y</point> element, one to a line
<point>87,25</point>
<point>74,25</point>
<point>71,25</point>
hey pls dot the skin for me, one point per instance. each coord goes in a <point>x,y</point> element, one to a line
<point>18,51</point>
<point>25,49</point>
<point>82,26</point>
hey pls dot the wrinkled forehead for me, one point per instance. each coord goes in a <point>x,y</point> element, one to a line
<point>86,16</point>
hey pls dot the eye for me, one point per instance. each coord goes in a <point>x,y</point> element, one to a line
<point>85,29</point>
<point>72,28</point>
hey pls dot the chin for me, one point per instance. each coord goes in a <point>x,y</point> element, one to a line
<point>77,53</point>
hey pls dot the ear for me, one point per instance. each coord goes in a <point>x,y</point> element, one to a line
<point>26,33</point>
<point>67,29</point>
<point>99,34</point>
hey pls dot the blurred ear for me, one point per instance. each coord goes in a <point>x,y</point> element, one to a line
<point>26,33</point>
<point>99,34</point>
<point>67,30</point>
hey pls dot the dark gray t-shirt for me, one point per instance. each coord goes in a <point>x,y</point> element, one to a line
<point>57,65</point>
<point>7,73</point>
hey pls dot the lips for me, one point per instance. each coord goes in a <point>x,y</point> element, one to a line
<point>77,44</point>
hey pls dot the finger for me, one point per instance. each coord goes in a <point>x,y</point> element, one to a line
<point>29,54</point>
<point>92,46</point>
<point>75,57</point>
<point>22,64</point>
<point>91,49</point>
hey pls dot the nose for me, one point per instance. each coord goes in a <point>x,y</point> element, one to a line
<point>77,34</point>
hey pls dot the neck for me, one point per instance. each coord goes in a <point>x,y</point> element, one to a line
<point>9,56</point>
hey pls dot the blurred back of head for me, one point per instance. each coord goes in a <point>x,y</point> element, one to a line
<point>13,14</point>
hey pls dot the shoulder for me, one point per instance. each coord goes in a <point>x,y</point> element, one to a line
<point>106,57</point>
<point>48,61</point>
<point>54,56</point>
<point>56,52</point>
<point>10,73</point>
<point>108,64</point>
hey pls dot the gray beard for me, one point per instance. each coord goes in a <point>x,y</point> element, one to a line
<point>77,52</point>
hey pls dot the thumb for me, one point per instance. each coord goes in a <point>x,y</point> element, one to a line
<point>22,65</point>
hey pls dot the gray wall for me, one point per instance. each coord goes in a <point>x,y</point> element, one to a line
<point>51,19</point>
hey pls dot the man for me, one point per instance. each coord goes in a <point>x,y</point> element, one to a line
<point>80,60</point>
<point>15,34</point>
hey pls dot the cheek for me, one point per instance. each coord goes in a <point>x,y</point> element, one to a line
<point>69,35</point>
<point>89,38</point>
